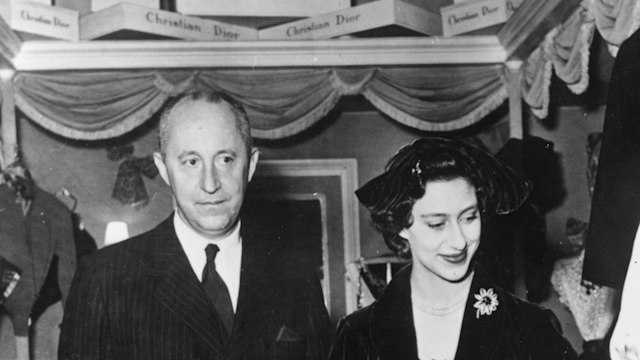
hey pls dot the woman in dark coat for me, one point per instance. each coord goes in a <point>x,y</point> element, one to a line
<point>429,205</point>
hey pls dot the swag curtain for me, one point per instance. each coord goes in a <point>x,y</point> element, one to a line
<point>281,103</point>
<point>565,49</point>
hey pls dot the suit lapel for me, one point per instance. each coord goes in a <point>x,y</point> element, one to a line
<point>481,334</point>
<point>259,289</point>
<point>177,288</point>
<point>392,326</point>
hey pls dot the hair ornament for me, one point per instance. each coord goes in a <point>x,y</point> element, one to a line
<point>417,169</point>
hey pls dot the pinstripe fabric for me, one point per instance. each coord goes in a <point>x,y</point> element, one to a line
<point>139,299</point>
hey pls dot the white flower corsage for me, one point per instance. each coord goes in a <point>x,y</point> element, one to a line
<point>487,302</point>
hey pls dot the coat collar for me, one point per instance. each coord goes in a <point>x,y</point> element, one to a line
<point>260,290</point>
<point>177,287</point>
<point>394,334</point>
<point>481,334</point>
<point>392,320</point>
<point>260,287</point>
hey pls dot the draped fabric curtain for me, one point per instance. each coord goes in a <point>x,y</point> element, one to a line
<point>284,102</point>
<point>280,103</point>
<point>565,49</point>
<point>616,20</point>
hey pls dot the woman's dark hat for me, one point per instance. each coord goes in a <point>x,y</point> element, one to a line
<point>503,189</point>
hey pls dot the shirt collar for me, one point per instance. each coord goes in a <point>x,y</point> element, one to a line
<point>190,239</point>
<point>228,262</point>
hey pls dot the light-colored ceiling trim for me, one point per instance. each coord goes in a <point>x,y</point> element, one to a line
<point>516,40</point>
<point>101,55</point>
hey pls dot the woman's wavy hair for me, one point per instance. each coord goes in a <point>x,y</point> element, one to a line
<point>390,196</point>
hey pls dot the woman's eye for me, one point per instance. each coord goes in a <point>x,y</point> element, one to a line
<point>436,226</point>
<point>470,218</point>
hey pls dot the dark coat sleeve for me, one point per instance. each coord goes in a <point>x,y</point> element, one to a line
<point>352,340</point>
<point>319,331</point>
<point>84,331</point>
<point>343,343</point>
<point>543,339</point>
<point>615,208</point>
<point>62,234</point>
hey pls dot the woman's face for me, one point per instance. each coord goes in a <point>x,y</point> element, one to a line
<point>445,233</point>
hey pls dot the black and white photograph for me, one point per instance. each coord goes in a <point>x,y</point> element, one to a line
<point>319,179</point>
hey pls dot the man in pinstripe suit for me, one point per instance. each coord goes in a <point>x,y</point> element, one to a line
<point>144,299</point>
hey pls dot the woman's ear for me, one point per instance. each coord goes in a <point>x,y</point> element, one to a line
<point>404,234</point>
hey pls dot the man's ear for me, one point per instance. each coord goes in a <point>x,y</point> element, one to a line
<point>162,168</point>
<point>253,162</point>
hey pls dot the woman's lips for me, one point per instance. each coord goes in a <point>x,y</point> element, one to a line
<point>455,258</point>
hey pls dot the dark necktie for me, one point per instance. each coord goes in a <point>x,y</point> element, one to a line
<point>216,289</point>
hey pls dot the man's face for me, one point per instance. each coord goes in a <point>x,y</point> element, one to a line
<point>207,166</point>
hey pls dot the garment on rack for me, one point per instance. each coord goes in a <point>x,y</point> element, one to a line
<point>30,242</point>
<point>9,277</point>
<point>50,292</point>
<point>615,208</point>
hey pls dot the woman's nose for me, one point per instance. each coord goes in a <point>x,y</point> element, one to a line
<point>457,239</point>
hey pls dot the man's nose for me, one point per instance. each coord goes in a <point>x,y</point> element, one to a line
<point>210,180</point>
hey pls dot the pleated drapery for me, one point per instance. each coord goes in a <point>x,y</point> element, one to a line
<point>565,49</point>
<point>280,103</point>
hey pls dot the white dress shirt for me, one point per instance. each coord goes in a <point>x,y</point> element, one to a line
<point>228,259</point>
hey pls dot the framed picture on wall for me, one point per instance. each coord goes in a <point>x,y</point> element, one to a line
<point>311,207</point>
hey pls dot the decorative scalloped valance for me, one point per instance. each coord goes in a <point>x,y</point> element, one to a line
<point>281,103</point>
<point>284,102</point>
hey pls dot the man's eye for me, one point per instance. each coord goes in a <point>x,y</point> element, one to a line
<point>191,162</point>
<point>225,160</point>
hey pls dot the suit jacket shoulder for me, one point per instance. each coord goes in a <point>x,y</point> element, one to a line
<point>140,299</point>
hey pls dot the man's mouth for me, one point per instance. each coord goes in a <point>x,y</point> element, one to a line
<point>210,203</point>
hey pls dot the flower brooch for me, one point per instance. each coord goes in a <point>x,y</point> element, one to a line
<point>487,302</point>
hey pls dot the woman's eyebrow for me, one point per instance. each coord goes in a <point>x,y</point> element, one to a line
<point>423,216</point>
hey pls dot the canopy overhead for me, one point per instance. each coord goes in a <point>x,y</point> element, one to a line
<point>432,84</point>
